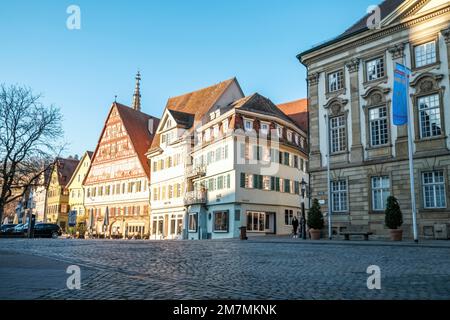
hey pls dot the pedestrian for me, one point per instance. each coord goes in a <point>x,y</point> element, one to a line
<point>295,225</point>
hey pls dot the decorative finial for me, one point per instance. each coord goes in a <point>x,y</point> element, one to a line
<point>137,93</point>
<point>115,98</point>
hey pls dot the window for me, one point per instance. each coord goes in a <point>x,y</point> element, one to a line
<point>378,126</point>
<point>336,81</point>
<point>434,189</point>
<point>221,221</point>
<point>289,136</point>
<point>287,186</point>
<point>220,183</point>
<point>207,135</point>
<point>280,131</point>
<point>339,196</point>
<point>429,116</point>
<point>193,222</point>
<point>266,183</point>
<point>225,126</point>
<point>375,69</point>
<point>295,161</point>
<point>380,192</point>
<point>297,140</point>
<point>216,131</point>
<point>338,134</point>
<point>286,158</point>
<point>248,125</point>
<point>288,215</point>
<point>264,128</point>
<point>425,54</point>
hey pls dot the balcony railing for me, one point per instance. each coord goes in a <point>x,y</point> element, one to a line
<point>195,197</point>
<point>195,172</point>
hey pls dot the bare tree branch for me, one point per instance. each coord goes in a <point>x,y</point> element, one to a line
<point>29,141</point>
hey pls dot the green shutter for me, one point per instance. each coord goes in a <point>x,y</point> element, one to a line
<point>277,184</point>
<point>272,183</point>
<point>255,181</point>
<point>242,180</point>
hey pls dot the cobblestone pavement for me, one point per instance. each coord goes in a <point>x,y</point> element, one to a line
<point>231,269</point>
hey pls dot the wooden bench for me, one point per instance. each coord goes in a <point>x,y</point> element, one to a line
<point>364,234</point>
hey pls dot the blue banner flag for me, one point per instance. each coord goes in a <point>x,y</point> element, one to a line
<point>400,98</point>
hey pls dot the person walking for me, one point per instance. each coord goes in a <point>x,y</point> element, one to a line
<point>295,226</point>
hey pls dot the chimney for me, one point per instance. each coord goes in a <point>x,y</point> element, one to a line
<point>151,124</point>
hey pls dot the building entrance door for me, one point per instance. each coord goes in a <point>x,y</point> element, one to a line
<point>260,222</point>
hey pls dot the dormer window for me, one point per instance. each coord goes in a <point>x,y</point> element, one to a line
<point>216,131</point>
<point>289,136</point>
<point>212,115</point>
<point>248,125</point>
<point>280,131</point>
<point>225,126</point>
<point>296,137</point>
<point>265,128</point>
<point>207,134</point>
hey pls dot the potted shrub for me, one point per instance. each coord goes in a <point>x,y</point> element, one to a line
<point>315,220</point>
<point>394,219</point>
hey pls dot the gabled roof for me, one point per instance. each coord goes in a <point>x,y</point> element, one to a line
<point>86,154</point>
<point>261,105</point>
<point>298,111</point>
<point>136,125</point>
<point>191,107</point>
<point>387,7</point>
<point>183,119</point>
<point>65,170</point>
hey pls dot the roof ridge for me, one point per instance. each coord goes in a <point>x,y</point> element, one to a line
<point>205,88</point>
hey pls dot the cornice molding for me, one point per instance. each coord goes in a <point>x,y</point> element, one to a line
<point>368,38</point>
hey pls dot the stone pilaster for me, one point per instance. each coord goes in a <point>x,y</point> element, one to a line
<point>315,161</point>
<point>401,144</point>
<point>446,35</point>
<point>357,147</point>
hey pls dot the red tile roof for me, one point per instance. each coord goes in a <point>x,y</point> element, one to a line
<point>66,168</point>
<point>196,103</point>
<point>298,111</point>
<point>136,125</point>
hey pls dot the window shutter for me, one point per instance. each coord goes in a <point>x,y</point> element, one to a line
<point>242,180</point>
<point>272,183</point>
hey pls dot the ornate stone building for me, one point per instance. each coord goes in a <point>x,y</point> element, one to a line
<point>350,83</point>
<point>116,186</point>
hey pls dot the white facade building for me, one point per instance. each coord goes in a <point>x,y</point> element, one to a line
<point>209,178</point>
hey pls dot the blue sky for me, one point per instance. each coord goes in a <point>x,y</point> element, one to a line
<point>178,45</point>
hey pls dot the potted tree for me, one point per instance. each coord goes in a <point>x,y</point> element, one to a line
<point>394,219</point>
<point>315,220</point>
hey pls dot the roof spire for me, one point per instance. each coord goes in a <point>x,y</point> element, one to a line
<point>137,93</point>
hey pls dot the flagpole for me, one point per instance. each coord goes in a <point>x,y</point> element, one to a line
<point>330,230</point>
<point>411,156</point>
<point>411,164</point>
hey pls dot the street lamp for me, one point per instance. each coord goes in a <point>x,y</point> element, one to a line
<point>303,219</point>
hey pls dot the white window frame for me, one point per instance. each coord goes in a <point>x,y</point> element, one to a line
<point>379,123</point>
<point>335,80</point>
<point>265,131</point>
<point>434,189</point>
<point>382,189</point>
<point>339,188</point>
<point>375,69</point>
<point>425,54</point>
<point>425,112</point>
<point>248,121</point>
<point>338,144</point>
